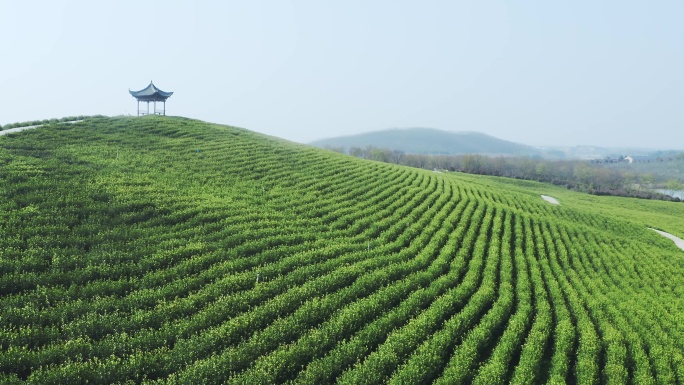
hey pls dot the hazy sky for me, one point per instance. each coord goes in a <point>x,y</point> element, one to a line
<point>539,72</point>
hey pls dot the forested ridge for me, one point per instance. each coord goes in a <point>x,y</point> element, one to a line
<point>169,250</point>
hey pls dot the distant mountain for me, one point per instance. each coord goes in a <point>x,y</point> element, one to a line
<point>430,141</point>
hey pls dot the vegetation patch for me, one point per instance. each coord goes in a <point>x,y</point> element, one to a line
<point>168,250</point>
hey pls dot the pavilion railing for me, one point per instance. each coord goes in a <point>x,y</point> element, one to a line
<point>157,109</point>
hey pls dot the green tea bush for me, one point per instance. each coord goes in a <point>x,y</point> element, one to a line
<point>167,250</point>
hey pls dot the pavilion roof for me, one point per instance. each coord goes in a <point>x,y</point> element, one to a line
<point>150,94</point>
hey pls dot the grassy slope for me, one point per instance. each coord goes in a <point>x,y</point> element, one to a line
<point>652,213</point>
<point>141,238</point>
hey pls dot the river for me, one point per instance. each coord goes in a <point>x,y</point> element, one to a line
<point>673,193</point>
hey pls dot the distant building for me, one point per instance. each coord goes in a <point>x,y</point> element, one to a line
<point>638,159</point>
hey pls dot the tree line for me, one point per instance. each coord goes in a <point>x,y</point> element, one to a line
<point>579,175</point>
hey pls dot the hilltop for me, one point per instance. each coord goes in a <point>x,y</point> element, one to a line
<point>169,250</point>
<point>430,141</point>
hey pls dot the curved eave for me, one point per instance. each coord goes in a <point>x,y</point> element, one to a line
<point>155,97</point>
<point>152,98</point>
<point>150,93</point>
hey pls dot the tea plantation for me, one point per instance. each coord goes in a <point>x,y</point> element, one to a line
<point>164,250</point>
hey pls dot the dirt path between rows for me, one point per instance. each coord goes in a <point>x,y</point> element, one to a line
<point>18,129</point>
<point>678,241</point>
<point>551,200</point>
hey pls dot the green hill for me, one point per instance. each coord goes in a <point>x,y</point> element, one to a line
<point>430,141</point>
<point>169,250</point>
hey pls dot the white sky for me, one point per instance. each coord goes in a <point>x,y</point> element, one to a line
<point>605,73</point>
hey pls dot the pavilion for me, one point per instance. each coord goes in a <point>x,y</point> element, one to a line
<point>151,94</point>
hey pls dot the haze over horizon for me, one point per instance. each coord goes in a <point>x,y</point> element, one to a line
<point>539,73</point>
